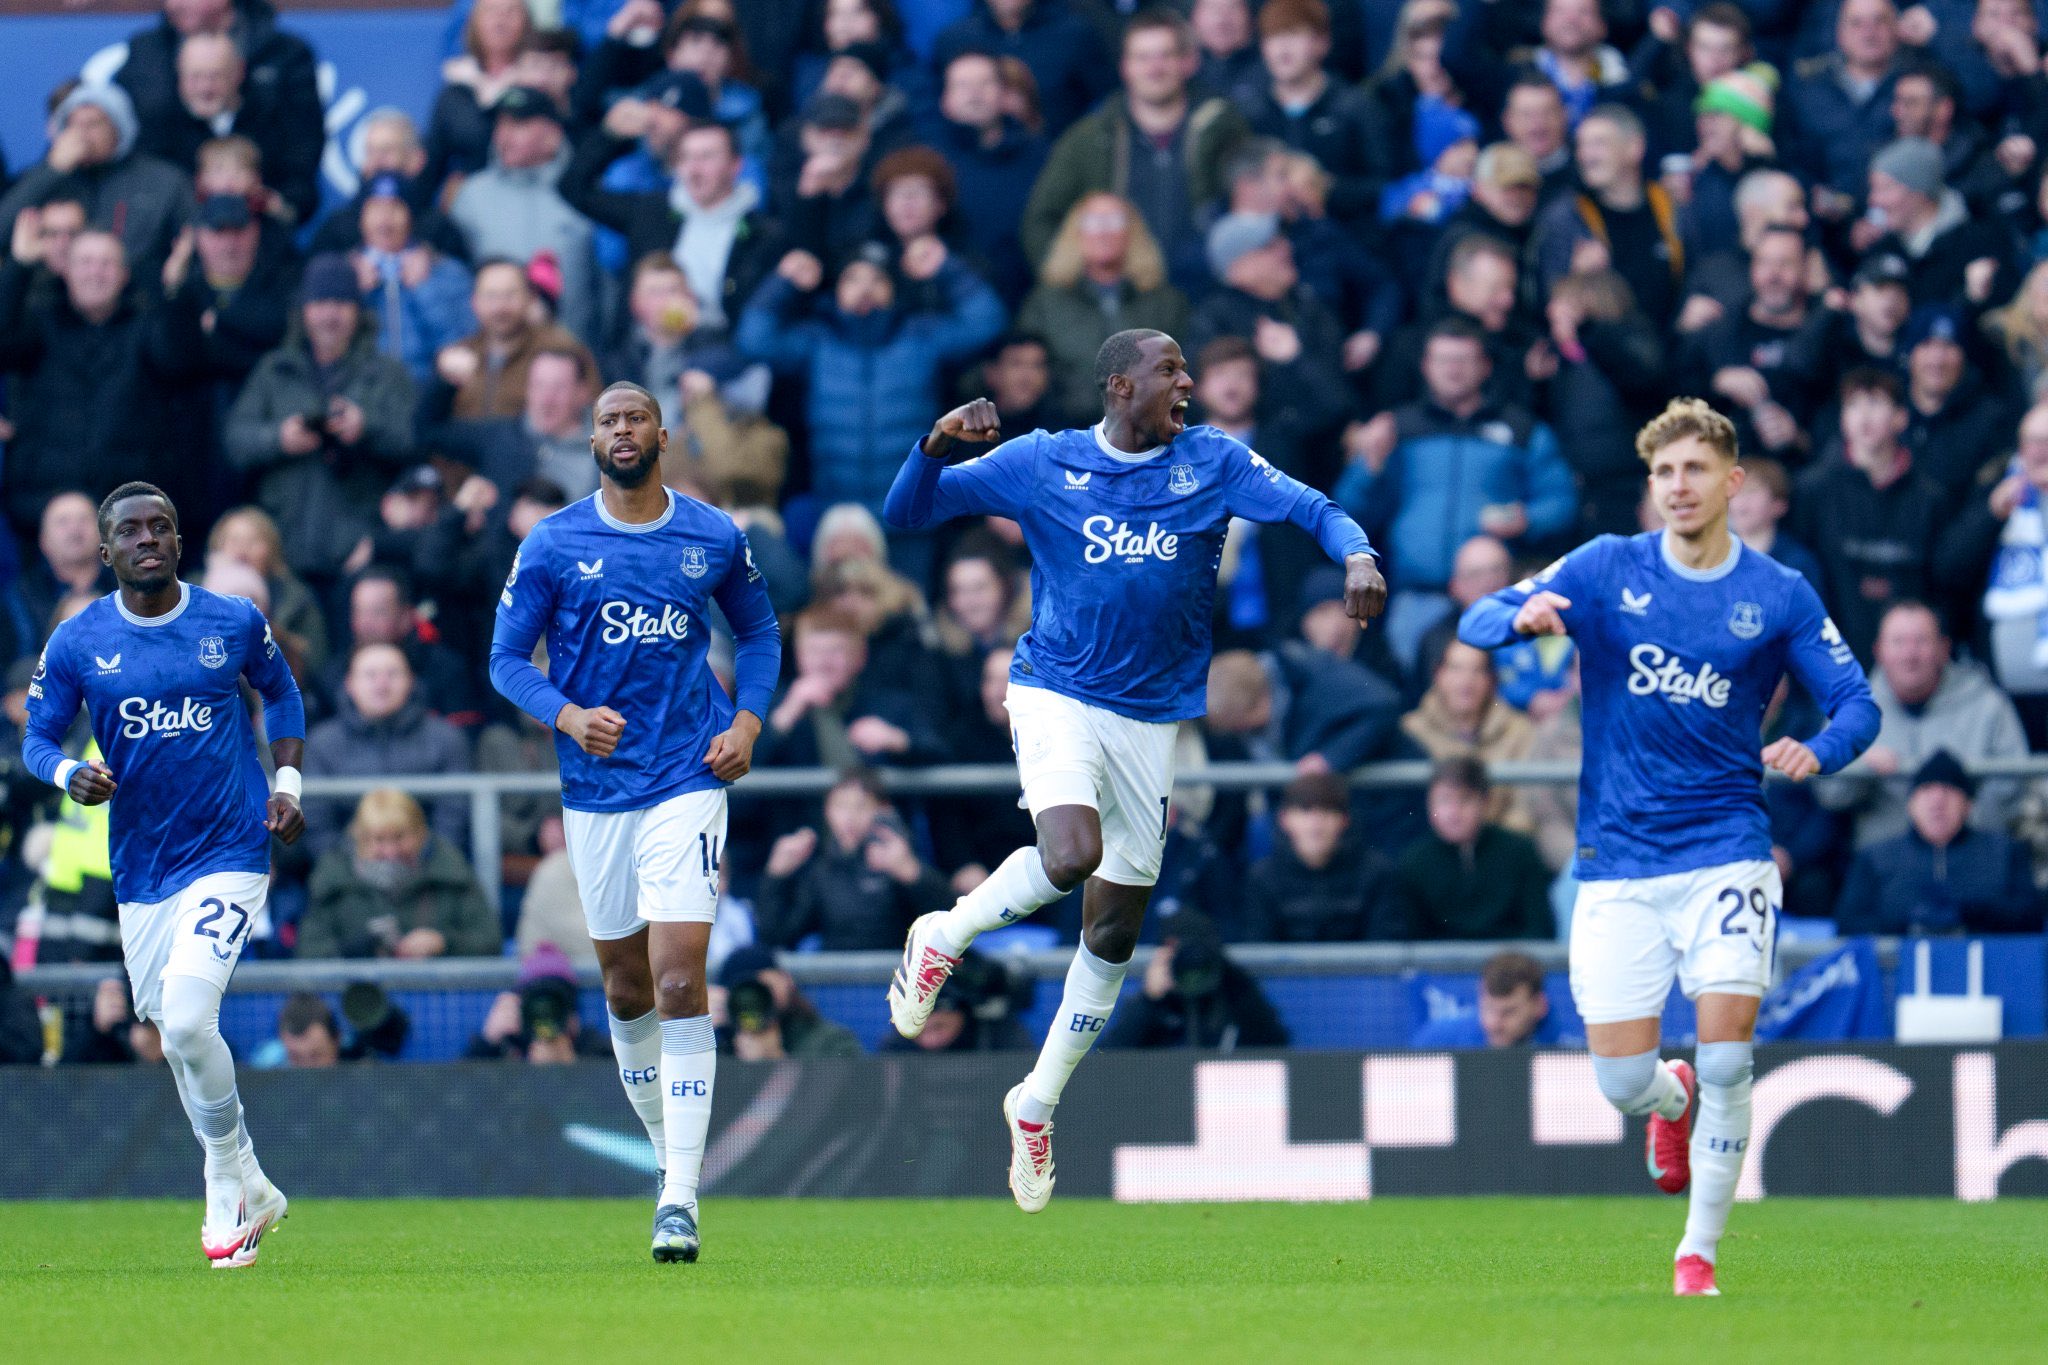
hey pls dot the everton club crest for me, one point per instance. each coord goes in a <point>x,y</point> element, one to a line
<point>694,563</point>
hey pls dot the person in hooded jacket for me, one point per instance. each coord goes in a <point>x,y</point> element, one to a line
<point>93,155</point>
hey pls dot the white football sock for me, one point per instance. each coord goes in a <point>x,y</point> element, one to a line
<point>637,1045</point>
<point>1092,988</point>
<point>689,1063</point>
<point>1640,1084</point>
<point>253,1178</point>
<point>1011,892</point>
<point>252,1173</point>
<point>1720,1137</point>
<point>191,1033</point>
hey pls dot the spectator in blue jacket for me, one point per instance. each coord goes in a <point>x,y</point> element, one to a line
<point>1513,1009</point>
<point>1838,106</point>
<point>1432,474</point>
<point>995,162</point>
<point>419,297</point>
<point>1941,876</point>
<point>872,369</point>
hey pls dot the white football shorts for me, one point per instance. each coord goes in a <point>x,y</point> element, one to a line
<point>1072,754</point>
<point>657,864</point>
<point>1715,930</point>
<point>200,932</point>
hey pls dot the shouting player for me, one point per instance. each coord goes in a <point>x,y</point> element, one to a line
<point>1125,522</point>
<point>1683,636</point>
<point>158,665</point>
<point>619,583</point>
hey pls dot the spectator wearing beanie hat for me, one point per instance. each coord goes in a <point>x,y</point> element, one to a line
<point>1262,299</point>
<point>1941,876</point>
<point>1733,118</point>
<point>140,199</point>
<point>324,424</point>
<point>1915,215</point>
<point>1447,143</point>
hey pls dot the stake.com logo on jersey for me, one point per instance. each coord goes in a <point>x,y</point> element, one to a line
<point>1109,539</point>
<point>1652,671</point>
<point>140,717</point>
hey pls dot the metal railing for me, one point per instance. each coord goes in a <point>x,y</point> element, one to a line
<point>486,839</point>
<point>819,969</point>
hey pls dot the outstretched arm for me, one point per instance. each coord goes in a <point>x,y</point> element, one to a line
<point>1534,606</point>
<point>1261,492</point>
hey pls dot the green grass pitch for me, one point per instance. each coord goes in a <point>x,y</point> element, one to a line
<point>1469,1281</point>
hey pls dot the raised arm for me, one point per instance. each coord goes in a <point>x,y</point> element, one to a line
<point>927,492</point>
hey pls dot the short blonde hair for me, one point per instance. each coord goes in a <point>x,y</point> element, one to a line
<point>1684,417</point>
<point>388,808</point>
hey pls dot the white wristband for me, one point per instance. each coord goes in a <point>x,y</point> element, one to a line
<point>289,783</point>
<point>62,780</point>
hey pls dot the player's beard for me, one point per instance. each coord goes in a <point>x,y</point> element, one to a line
<point>153,583</point>
<point>625,476</point>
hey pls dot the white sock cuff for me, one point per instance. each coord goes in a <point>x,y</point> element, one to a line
<point>644,1029</point>
<point>219,1121</point>
<point>1042,889</point>
<point>1108,973</point>
<point>1725,1064</point>
<point>682,1037</point>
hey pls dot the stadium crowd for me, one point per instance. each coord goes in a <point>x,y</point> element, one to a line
<point>1437,260</point>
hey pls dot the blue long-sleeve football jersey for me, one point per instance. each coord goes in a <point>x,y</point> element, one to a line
<point>165,700</point>
<point>623,606</point>
<point>1124,551</point>
<point>1677,667</point>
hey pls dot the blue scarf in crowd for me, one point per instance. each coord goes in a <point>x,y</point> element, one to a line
<point>2019,576</point>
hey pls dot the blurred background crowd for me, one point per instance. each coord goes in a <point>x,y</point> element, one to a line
<point>1438,260</point>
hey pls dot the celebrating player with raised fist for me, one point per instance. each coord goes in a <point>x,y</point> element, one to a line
<point>1125,522</point>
